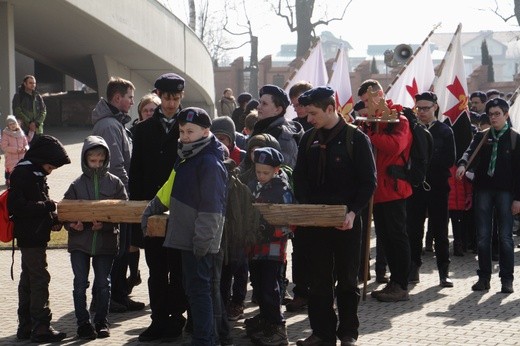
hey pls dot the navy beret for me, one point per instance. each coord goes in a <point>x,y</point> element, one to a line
<point>244,98</point>
<point>481,95</point>
<point>268,156</point>
<point>426,96</point>
<point>315,94</point>
<point>170,82</point>
<point>275,91</point>
<point>497,102</point>
<point>197,116</point>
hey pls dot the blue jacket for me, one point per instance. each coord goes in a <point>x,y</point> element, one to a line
<point>197,201</point>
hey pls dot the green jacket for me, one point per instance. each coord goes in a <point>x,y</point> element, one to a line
<point>29,108</point>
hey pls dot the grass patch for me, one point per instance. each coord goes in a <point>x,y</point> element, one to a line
<point>58,240</point>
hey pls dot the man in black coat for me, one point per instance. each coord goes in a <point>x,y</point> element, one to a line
<point>153,156</point>
<point>432,200</point>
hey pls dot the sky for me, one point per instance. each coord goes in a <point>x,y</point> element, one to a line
<point>365,21</point>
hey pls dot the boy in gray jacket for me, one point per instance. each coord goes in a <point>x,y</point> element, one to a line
<point>98,240</point>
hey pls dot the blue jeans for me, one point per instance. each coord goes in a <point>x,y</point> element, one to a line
<point>485,202</point>
<point>102,265</point>
<point>199,287</point>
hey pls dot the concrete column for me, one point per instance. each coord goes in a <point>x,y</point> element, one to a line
<point>7,60</point>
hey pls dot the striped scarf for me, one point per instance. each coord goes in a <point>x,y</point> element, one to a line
<point>494,150</point>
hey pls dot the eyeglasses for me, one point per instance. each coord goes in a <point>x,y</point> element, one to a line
<point>494,114</point>
<point>424,109</point>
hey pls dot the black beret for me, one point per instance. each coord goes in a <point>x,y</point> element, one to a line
<point>314,95</point>
<point>275,91</point>
<point>197,116</point>
<point>359,106</point>
<point>170,82</point>
<point>497,102</point>
<point>268,156</point>
<point>244,97</point>
<point>481,95</point>
<point>426,96</point>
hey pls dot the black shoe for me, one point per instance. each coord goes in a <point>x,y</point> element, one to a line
<point>481,285</point>
<point>174,328</point>
<point>46,334</point>
<point>154,332</point>
<point>132,305</point>
<point>348,341</point>
<point>297,304</point>
<point>507,287</point>
<point>133,281</point>
<point>23,333</point>
<point>86,332</point>
<point>102,330</point>
<point>116,307</point>
<point>446,282</point>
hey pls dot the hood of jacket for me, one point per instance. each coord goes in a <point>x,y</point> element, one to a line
<point>47,149</point>
<point>104,110</point>
<point>89,143</point>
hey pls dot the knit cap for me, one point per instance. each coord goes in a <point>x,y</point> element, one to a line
<point>224,126</point>
<point>10,119</point>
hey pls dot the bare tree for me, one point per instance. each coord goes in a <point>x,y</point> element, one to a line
<point>246,29</point>
<point>192,16</point>
<point>298,16</point>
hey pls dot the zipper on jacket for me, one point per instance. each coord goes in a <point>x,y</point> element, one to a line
<point>96,197</point>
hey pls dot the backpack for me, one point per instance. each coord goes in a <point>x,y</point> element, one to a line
<point>416,167</point>
<point>6,223</point>
<point>242,218</point>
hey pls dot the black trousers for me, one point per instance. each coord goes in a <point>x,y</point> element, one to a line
<point>390,223</point>
<point>165,289</point>
<point>433,203</point>
<point>300,266</point>
<point>334,259</point>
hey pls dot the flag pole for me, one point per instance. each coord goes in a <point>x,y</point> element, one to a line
<point>411,58</point>
<point>335,61</point>
<point>301,62</point>
<point>448,51</point>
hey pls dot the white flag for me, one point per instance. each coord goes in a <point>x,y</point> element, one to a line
<point>451,85</point>
<point>340,82</point>
<point>313,70</point>
<point>514,110</point>
<point>416,78</point>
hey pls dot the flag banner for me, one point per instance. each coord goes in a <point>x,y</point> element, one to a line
<point>451,85</point>
<point>340,82</point>
<point>313,70</point>
<point>416,77</point>
<point>514,110</point>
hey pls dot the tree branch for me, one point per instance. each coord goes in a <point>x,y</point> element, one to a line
<point>327,21</point>
<point>288,19</point>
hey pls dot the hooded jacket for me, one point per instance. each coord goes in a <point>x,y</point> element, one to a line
<point>109,123</point>
<point>95,184</point>
<point>28,201</point>
<point>12,142</point>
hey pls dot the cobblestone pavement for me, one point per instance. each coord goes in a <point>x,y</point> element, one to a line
<point>432,316</point>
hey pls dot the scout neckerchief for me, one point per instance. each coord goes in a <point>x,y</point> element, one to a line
<point>494,150</point>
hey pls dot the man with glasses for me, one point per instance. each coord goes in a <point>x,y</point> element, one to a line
<point>496,186</point>
<point>432,199</point>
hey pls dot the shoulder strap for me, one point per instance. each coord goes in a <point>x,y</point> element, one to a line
<point>351,129</point>
<point>310,139</point>
<point>477,149</point>
<point>514,138</point>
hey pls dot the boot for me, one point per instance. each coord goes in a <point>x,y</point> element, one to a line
<point>445,281</point>
<point>274,335</point>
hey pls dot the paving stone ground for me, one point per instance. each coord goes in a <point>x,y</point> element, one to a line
<point>432,316</point>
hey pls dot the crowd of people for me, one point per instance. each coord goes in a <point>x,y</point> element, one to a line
<point>183,161</point>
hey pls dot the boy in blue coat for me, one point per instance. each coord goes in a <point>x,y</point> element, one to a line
<point>197,207</point>
<point>98,240</point>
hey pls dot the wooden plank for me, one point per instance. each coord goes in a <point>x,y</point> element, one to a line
<point>109,210</point>
<point>319,215</point>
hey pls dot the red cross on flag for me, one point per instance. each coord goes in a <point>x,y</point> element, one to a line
<point>340,82</point>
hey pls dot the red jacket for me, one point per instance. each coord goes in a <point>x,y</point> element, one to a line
<point>391,149</point>
<point>461,192</point>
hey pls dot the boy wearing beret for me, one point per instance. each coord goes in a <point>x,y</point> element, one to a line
<point>496,188</point>
<point>197,207</point>
<point>326,173</point>
<point>269,253</point>
<point>271,119</point>
<point>433,201</point>
<point>154,153</point>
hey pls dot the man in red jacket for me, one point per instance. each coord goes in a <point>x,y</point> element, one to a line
<point>391,142</point>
